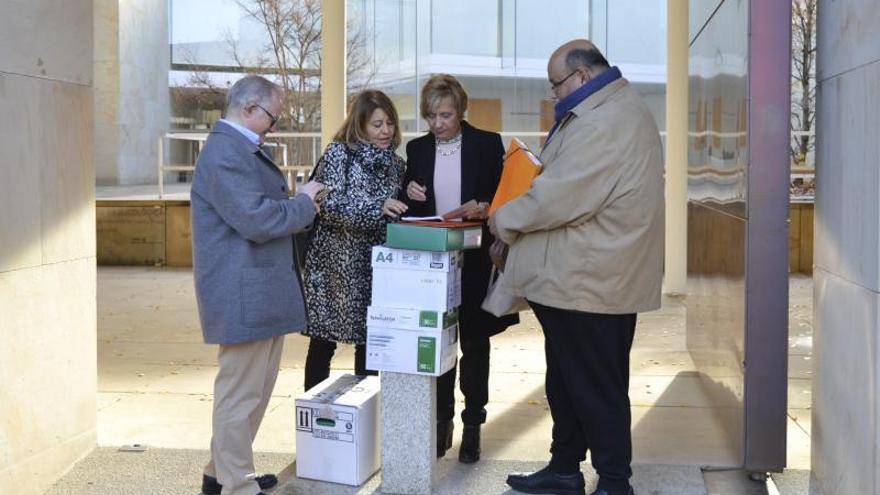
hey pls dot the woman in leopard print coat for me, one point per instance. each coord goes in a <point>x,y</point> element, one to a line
<point>364,175</point>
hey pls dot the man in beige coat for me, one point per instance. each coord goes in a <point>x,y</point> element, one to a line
<point>586,251</point>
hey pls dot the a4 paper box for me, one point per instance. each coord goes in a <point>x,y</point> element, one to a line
<point>412,324</point>
<point>416,279</point>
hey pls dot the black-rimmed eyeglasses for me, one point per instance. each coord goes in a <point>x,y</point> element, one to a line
<point>556,84</point>
<point>273,119</point>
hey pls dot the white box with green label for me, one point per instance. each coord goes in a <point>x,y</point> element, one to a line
<point>443,261</point>
<point>410,319</point>
<point>337,430</point>
<point>423,351</point>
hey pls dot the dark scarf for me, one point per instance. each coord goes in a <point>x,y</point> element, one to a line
<point>567,104</point>
<point>374,159</point>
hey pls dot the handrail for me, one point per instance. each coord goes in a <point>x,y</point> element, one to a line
<point>292,172</point>
<point>200,137</point>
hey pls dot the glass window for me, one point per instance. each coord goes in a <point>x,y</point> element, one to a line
<point>636,32</point>
<point>499,52</point>
<point>214,32</point>
<point>540,30</point>
<point>498,49</point>
<point>465,27</point>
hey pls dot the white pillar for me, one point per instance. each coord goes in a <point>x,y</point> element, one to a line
<point>132,103</point>
<point>675,276</point>
<point>333,81</point>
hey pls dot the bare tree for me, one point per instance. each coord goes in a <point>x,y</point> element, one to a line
<point>803,73</point>
<point>200,91</point>
<point>293,55</point>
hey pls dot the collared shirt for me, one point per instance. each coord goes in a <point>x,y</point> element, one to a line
<point>251,135</point>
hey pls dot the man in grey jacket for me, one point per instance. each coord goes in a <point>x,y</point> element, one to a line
<point>247,286</point>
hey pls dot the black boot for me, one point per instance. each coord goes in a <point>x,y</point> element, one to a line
<point>444,436</point>
<point>469,452</point>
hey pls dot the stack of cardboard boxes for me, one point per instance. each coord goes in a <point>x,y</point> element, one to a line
<point>412,327</point>
<point>412,324</point>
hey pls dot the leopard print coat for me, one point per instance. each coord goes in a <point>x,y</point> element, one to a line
<point>337,275</point>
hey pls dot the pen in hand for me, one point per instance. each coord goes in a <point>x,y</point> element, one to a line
<point>416,189</point>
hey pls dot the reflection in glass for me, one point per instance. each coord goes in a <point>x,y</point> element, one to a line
<point>716,257</point>
<point>717,152</point>
<point>497,49</point>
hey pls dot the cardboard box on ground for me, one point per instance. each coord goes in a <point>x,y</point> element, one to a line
<point>337,430</point>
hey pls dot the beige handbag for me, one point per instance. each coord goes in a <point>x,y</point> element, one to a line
<point>497,301</point>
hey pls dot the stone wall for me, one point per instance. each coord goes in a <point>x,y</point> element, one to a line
<point>845,429</point>
<point>47,242</point>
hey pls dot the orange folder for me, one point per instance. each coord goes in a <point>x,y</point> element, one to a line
<point>521,166</point>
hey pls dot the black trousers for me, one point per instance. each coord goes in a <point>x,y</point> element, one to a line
<point>587,386</point>
<point>321,353</point>
<point>474,366</point>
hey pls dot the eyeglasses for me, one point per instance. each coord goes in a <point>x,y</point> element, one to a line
<point>273,119</point>
<point>556,84</point>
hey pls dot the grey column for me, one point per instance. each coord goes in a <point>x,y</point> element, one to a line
<point>409,424</point>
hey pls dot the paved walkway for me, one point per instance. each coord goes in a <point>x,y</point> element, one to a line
<point>156,376</point>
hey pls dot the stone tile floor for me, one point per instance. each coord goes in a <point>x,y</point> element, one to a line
<point>155,379</point>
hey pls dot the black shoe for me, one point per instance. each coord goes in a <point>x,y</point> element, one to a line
<point>548,482</point>
<point>211,487</point>
<point>444,437</point>
<point>603,491</point>
<point>469,451</point>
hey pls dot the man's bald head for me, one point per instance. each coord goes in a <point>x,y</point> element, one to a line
<point>578,53</point>
<point>574,64</point>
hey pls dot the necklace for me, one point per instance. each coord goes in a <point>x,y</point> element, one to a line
<point>448,150</point>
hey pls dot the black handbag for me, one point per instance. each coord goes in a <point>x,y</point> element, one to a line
<point>302,240</point>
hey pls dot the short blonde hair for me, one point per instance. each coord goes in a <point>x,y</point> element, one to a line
<point>354,129</point>
<point>442,86</point>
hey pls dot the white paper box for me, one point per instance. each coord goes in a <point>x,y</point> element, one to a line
<point>444,261</point>
<point>422,289</point>
<point>337,430</point>
<point>410,319</point>
<point>421,352</point>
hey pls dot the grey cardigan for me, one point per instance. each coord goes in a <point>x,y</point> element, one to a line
<point>246,279</point>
